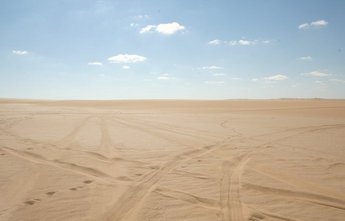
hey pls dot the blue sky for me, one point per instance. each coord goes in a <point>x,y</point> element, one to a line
<point>83,49</point>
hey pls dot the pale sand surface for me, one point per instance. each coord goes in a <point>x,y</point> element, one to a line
<point>172,160</point>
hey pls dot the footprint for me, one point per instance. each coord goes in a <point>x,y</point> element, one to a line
<point>30,202</point>
<point>256,217</point>
<point>154,167</point>
<point>76,188</point>
<point>88,181</point>
<point>50,193</point>
<point>138,174</point>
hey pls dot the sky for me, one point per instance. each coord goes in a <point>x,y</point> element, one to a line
<point>172,49</point>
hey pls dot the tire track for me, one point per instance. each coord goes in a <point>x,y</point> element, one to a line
<point>232,207</point>
<point>262,214</point>
<point>225,191</point>
<point>230,197</point>
<point>67,166</point>
<point>187,132</point>
<point>306,196</point>
<point>190,198</point>
<point>57,148</point>
<point>135,194</point>
<point>192,174</point>
<point>297,182</point>
<point>69,138</point>
<point>159,133</point>
<point>106,141</point>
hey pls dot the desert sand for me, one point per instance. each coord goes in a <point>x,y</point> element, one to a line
<point>172,160</point>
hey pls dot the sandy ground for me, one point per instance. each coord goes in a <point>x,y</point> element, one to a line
<point>172,160</point>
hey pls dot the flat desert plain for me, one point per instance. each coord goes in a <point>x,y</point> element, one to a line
<point>172,160</point>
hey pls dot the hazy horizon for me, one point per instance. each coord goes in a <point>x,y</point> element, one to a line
<point>119,50</point>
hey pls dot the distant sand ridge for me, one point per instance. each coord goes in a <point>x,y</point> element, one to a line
<point>232,160</point>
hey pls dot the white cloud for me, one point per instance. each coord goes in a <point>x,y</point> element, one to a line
<point>317,74</point>
<point>241,42</point>
<point>95,63</point>
<point>305,58</point>
<point>319,23</point>
<point>147,28</point>
<point>303,26</point>
<point>313,25</point>
<point>266,41</point>
<point>164,76</point>
<point>255,79</point>
<point>126,67</point>
<point>278,77</point>
<point>18,52</point>
<point>236,78</point>
<point>214,82</point>
<point>126,58</point>
<point>318,82</point>
<point>214,42</point>
<point>166,29</point>
<point>246,42</point>
<point>169,28</point>
<point>133,24</point>
<point>212,67</point>
<point>218,74</point>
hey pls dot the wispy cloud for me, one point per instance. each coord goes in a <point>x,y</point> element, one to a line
<point>218,74</point>
<point>18,52</point>
<point>305,58</point>
<point>214,82</point>
<point>166,29</point>
<point>140,17</point>
<point>126,58</point>
<point>277,77</point>
<point>214,42</point>
<point>240,42</point>
<point>313,25</point>
<point>317,74</point>
<point>134,24</point>
<point>126,67</point>
<point>147,28</point>
<point>164,76</point>
<point>337,80</point>
<point>95,63</point>
<point>212,67</point>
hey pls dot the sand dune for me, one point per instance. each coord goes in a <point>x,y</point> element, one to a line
<point>172,160</point>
